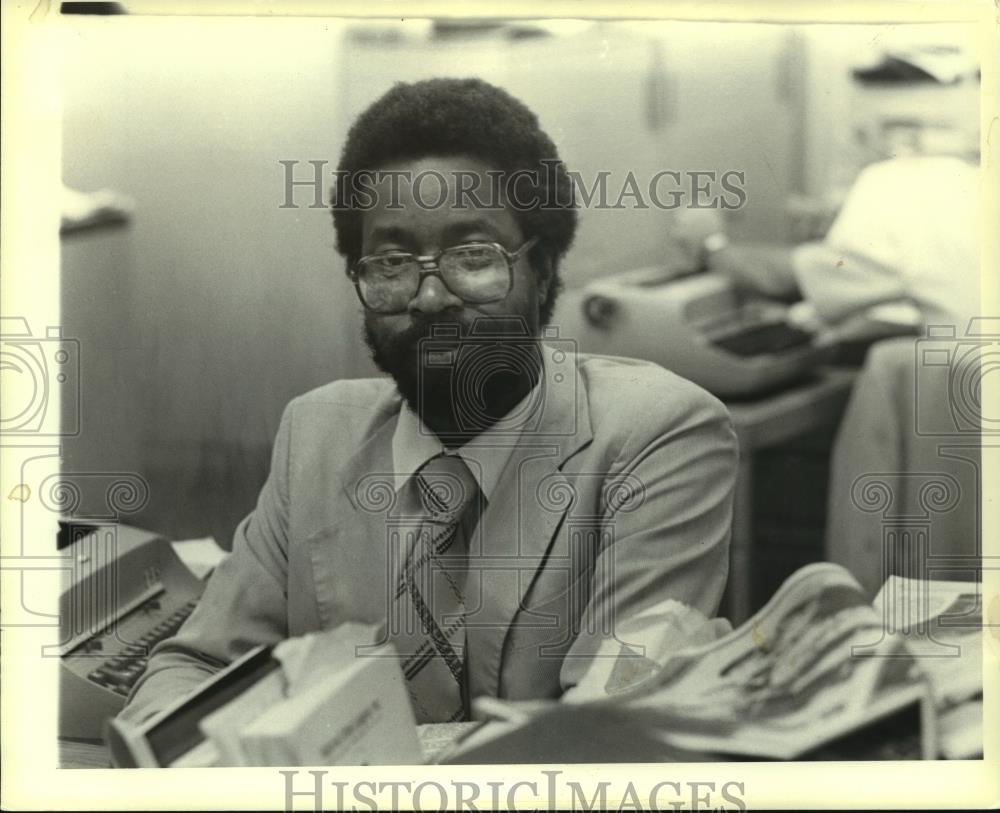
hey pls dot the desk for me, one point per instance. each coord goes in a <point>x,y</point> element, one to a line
<point>765,422</point>
<point>83,754</point>
<point>435,738</point>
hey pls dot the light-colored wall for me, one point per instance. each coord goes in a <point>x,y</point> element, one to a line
<point>838,109</point>
<point>215,307</point>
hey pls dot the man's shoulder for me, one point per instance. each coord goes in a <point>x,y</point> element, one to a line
<point>349,393</point>
<point>346,404</point>
<point>631,390</point>
<point>332,421</point>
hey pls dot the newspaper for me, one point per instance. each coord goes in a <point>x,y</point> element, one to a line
<point>942,623</point>
<point>814,666</point>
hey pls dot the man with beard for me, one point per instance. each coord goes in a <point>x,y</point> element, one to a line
<point>498,503</point>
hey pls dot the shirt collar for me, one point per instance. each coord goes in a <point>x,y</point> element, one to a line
<point>413,444</point>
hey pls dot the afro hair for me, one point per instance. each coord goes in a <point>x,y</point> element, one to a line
<point>471,118</point>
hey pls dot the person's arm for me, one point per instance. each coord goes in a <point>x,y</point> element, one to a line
<point>675,543</point>
<point>244,604</point>
<point>840,284</point>
<point>840,276</point>
<point>764,269</point>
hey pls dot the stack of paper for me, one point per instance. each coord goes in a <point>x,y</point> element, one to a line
<point>942,624</point>
<point>337,700</point>
<point>816,673</point>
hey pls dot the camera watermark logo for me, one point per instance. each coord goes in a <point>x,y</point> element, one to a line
<point>950,370</point>
<point>468,372</point>
<point>40,373</point>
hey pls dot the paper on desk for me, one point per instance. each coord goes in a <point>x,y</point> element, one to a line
<point>338,698</point>
<point>809,667</point>
<point>962,730</point>
<point>225,726</point>
<point>346,703</point>
<point>943,625</point>
<point>310,658</point>
<point>641,646</point>
<point>437,739</point>
<point>200,556</point>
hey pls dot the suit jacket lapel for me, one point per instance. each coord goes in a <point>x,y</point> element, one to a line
<point>516,531</point>
<point>350,558</point>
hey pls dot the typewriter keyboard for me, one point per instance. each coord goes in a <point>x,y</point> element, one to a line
<point>120,672</point>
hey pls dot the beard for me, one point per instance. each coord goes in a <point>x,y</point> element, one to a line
<point>459,379</point>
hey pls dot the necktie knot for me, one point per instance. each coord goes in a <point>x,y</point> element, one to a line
<point>446,487</point>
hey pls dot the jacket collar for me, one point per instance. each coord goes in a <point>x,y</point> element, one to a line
<point>562,423</point>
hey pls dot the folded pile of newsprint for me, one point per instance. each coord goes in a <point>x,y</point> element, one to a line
<point>818,673</point>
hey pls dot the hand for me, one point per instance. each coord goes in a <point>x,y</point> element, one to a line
<point>757,268</point>
<point>692,228</point>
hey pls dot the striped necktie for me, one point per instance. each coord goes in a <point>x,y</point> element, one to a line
<point>429,628</point>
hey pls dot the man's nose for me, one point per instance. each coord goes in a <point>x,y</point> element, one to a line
<point>433,296</point>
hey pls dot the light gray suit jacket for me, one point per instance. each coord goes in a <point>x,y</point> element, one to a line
<point>617,497</point>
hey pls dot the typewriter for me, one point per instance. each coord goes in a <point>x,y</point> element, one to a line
<point>701,328</point>
<point>124,590</point>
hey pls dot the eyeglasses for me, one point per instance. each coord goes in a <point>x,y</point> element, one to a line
<point>474,272</point>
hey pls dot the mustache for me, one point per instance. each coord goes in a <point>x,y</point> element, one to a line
<point>432,328</point>
<point>398,353</point>
<point>454,328</point>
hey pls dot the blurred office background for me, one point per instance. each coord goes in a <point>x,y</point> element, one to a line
<point>209,307</point>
